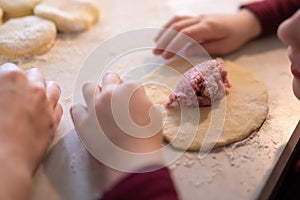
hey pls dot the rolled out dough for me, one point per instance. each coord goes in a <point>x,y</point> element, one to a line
<point>18,8</point>
<point>26,36</point>
<point>69,15</point>
<point>246,108</point>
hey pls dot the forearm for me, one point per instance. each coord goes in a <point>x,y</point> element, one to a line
<point>114,176</point>
<point>271,13</point>
<point>156,184</point>
<point>249,23</point>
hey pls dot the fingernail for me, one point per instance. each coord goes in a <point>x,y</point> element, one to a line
<point>156,51</point>
<point>109,73</point>
<point>167,55</point>
<point>56,85</point>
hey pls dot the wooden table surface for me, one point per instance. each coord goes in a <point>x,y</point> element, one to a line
<point>238,171</point>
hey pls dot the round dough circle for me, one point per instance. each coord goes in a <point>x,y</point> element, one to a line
<point>18,8</point>
<point>246,108</point>
<point>69,15</point>
<point>27,36</point>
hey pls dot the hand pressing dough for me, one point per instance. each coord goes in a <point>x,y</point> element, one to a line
<point>27,36</point>
<point>69,15</point>
<point>18,8</point>
<point>246,108</point>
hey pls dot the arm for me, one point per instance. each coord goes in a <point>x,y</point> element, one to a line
<point>29,115</point>
<point>271,13</point>
<point>220,34</point>
<point>152,185</point>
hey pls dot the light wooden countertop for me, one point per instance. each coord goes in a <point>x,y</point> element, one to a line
<point>237,171</point>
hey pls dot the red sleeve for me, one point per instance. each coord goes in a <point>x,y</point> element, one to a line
<point>155,185</point>
<point>271,13</point>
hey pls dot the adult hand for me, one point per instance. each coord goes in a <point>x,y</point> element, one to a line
<point>219,34</point>
<point>29,116</point>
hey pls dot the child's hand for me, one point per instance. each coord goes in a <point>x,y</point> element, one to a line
<point>121,113</point>
<point>219,34</point>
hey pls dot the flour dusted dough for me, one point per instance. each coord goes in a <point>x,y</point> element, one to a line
<point>18,8</point>
<point>27,36</point>
<point>1,15</point>
<point>69,15</point>
<point>246,108</point>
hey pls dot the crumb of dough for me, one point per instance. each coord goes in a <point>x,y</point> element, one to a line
<point>18,8</point>
<point>26,36</point>
<point>69,15</point>
<point>68,99</point>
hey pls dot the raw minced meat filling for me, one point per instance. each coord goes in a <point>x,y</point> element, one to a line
<point>202,84</point>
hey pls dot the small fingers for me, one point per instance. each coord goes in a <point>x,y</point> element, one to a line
<point>183,32</point>
<point>11,72</point>
<point>110,81</point>
<point>36,77</point>
<point>166,38</point>
<point>58,111</point>
<point>78,114</point>
<point>53,93</point>
<point>195,35</point>
<point>195,49</point>
<point>164,41</point>
<point>168,24</point>
<point>7,67</point>
<point>178,26</point>
<point>178,43</point>
<point>90,90</point>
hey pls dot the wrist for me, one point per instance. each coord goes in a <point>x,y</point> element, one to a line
<point>250,23</point>
<point>17,178</point>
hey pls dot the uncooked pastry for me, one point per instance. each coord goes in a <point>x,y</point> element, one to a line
<point>246,108</point>
<point>1,15</point>
<point>18,8</point>
<point>26,36</point>
<point>69,15</point>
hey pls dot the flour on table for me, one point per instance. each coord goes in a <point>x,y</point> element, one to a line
<point>26,36</point>
<point>69,15</point>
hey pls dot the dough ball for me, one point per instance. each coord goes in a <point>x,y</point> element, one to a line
<point>69,15</point>
<point>27,36</point>
<point>18,8</point>
<point>1,15</point>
